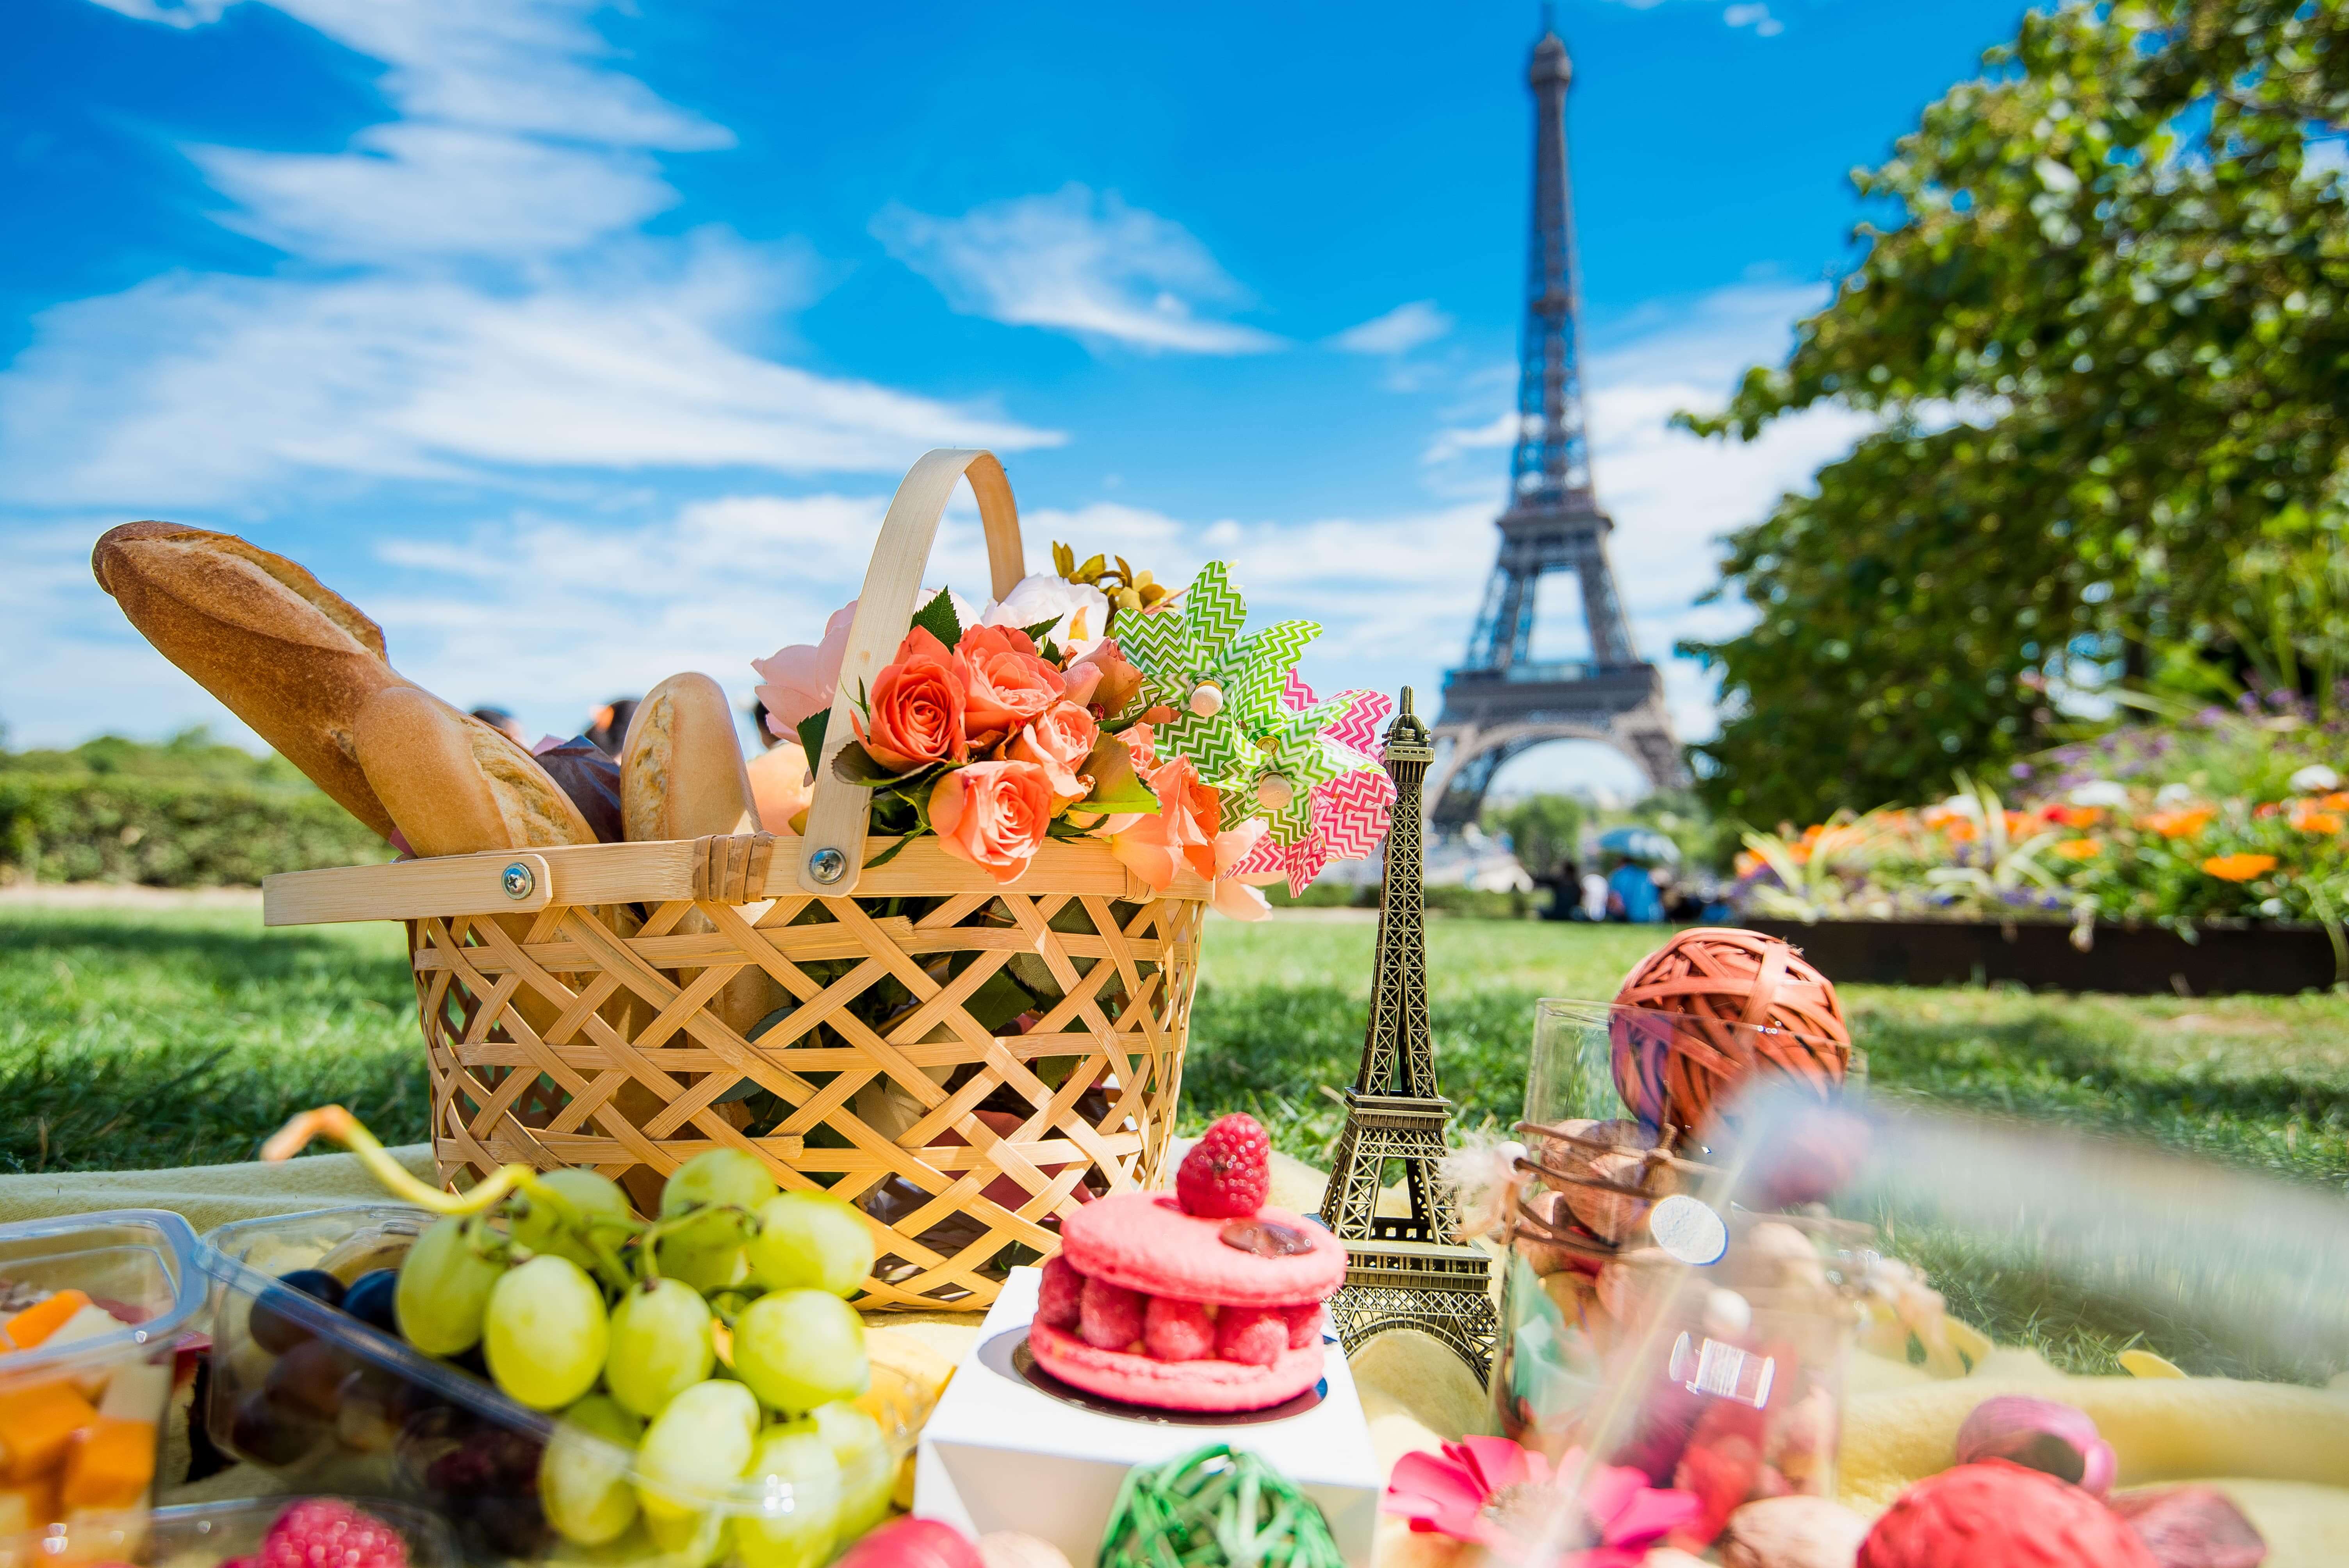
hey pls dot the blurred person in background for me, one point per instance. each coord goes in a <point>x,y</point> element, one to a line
<point>608,726</point>
<point>505,722</point>
<point>1631,893</point>
<point>1594,895</point>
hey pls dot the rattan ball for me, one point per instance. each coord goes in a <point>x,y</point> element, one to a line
<point>1689,1052</point>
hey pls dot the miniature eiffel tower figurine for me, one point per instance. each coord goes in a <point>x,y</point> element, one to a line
<point>1403,1272</point>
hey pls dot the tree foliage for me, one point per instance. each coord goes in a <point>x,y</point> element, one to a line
<point>2108,336</point>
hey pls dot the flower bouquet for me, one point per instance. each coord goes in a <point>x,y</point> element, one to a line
<point>1090,702</point>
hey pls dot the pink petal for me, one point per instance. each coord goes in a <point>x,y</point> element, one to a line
<point>1649,1516</point>
<point>1435,1494</point>
<point>1496,1463</point>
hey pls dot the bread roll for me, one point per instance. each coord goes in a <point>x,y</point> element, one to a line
<point>288,656</point>
<point>682,773</point>
<point>453,785</point>
<point>682,777</point>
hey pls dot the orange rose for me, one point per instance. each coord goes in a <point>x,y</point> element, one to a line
<point>1005,680</point>
<point>992,814</point>
<point>2238,868</point>
<point>1058,741</point>
<point>1181,833</point>
<point>2079,848</point>
<point>916,709</point>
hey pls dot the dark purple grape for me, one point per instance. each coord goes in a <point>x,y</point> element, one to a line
<point>369,1300</point>
<point>307,1380</point>
<point>272,1324</point>
<point>266,1435</point>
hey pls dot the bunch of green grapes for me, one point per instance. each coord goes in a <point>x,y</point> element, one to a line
<point>710,1348</point>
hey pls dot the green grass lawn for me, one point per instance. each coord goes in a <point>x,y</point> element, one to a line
<point>138,1039</point>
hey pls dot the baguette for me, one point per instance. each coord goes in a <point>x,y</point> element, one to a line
<point>682,777</point>
<point>682,773</point>
<point>286,653</point>
<point>452,784</point>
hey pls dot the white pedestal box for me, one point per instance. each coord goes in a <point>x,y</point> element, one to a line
<point>1001,1453</point>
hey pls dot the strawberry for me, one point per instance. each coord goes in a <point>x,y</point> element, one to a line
<point>324,1532</point>
<point>1228,1172</point>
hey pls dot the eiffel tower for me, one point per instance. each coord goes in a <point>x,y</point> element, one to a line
<point>1501,701</point>
<point>1403,1272</point>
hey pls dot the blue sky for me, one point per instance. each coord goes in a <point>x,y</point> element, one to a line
<point>581,345</point>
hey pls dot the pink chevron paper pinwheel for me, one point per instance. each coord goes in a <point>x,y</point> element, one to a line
<point>1349,812</point>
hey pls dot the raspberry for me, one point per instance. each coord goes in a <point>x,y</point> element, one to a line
<point>323,1532</point>
<point>1304,1324</point>
<point>1109,1316</point>
<point>1256,1335</point>
<point>1228,1172</point>
<point>1177,1330</point>
<point>1056,1297</point>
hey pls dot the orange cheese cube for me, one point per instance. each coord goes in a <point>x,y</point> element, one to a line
<point>26,1510</point>
<point>29,1328</point>
<point>110,1465</point>
<point>37,1421</point>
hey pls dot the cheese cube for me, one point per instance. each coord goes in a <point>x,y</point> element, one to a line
<point>37,1422</point>
<point>88,1323</point>
<point>32,1327</point>
<point>110,1465</point>
<point>27,1509</point>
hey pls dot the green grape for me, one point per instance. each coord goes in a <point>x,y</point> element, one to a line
<point>536,1228</point>
<point>868,1471</point>
<point>794,1470</point>
<point>660,1344</point>
<point>709,1255</point>
<point>582,1481</point>
<point>443,1291</point>
<point>545,1333</point>
<point>812,1239</point>
<point>800,1348</point>
<point>693,1453</point>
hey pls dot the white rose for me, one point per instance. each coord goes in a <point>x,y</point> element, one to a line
<point>2315,779</point>
<point>1078,612</point>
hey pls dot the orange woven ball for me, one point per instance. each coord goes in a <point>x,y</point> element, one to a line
<point>1706,983</point>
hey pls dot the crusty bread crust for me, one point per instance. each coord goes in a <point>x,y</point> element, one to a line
<point>681,772</point>
<point>453,785</point>
<point>284,653</point>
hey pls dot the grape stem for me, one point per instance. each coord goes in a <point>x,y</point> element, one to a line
<point>334,1122</point>
<point>648,1239</point>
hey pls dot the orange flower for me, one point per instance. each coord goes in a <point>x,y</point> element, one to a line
<point>1181,833</point>
<point>2182,823</point>
<point>2075,816</point>
<point>1008,682</point>
<point>2310,816</point>
<point>1747,862</point>
<point>916,709</point>
<point>2238,868</point>
<point>2336,801</point>
<point>1058,741</point>
<point>993,814</point>
<point>2079,848</point>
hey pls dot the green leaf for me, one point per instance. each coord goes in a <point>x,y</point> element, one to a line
<point>811,730</point>
<point>938,617</point>
<point>894,851</point>
<point>1035,634</point>
<point>1117,788</point>
<point>851,764</point>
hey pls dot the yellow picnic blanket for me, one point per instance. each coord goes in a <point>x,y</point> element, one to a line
<point>2281,1450</point>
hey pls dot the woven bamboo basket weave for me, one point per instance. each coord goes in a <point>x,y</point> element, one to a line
<point>565,996</point>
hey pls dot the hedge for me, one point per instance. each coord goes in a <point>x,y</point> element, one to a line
<point>171,833</point>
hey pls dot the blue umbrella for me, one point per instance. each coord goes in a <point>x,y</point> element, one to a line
<point>1640,844</point>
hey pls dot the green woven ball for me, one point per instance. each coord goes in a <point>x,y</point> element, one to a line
<point>1215,1509</point>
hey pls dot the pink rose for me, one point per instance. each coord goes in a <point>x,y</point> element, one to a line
<point>914,709</point>
<point>1181,833</point>
<point>1058,741</point>
<point>1006,681</point>
<point>993,814</point>
<point>801,680</point>
<point>1102,680</point>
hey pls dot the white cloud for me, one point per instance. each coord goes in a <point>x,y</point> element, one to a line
<point>1077,263</point>
<point>468,299</point>
<point>1501,431</point>
<point>1756,16</point>
<point>1399,331</point>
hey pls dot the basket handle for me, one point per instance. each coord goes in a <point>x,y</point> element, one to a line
<point>839,813</point>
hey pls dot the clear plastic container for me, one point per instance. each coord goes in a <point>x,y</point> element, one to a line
<point>208,1534</point>
<point>341,1406</point>
<point>82,1410</point>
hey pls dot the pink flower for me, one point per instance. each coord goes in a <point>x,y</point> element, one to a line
<point>1231,898</point>
<point>1507,1499</point>
<point>1007,682</point>
<point>1181,833</point>
<point>1058,741</point>
<point>801,680</point>
<point>993,814</point>
<point>1102,680</point>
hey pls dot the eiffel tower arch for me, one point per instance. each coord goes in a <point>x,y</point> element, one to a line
<point>1501,701</point>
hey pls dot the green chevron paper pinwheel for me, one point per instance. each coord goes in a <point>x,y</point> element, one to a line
<point>1225,689</point>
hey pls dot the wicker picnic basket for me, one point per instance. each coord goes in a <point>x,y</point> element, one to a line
<point>565,996</point>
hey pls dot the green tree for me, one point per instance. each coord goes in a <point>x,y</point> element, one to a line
<point>1542,828</point>
<point>2108,336</point>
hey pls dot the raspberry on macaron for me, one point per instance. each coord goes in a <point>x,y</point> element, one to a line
<point>1229,1173</point>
